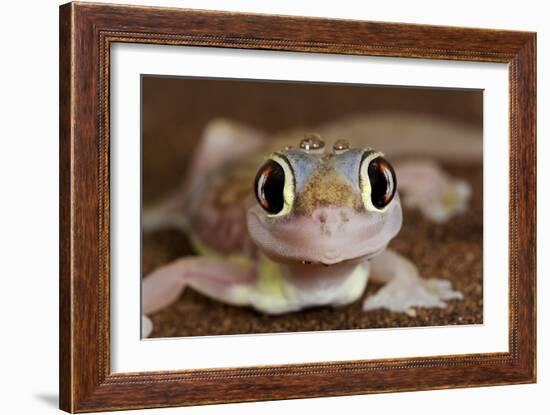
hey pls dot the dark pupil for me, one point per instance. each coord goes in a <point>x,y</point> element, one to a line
<point>382,181</point>
<point>269,186</point>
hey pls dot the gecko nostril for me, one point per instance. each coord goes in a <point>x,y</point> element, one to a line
<point>331,217</point>
<point>320,216</point>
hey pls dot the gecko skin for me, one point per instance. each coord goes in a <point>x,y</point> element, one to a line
<point>306,226</point>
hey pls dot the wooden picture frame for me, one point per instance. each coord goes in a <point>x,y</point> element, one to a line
<point>86,33</point>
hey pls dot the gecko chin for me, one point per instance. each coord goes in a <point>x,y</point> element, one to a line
<point>328,236</point>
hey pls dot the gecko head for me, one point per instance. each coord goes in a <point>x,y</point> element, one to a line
<point>324,207</point>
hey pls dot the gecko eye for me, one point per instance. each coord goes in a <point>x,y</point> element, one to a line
<point>378,182</point>
<point>274,186</point>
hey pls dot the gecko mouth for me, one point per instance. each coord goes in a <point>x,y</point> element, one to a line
<point>360,258</point>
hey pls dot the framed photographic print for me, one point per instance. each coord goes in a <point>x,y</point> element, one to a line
<point>260,207</point>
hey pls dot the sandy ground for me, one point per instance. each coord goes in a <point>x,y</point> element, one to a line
<point>452,251</point>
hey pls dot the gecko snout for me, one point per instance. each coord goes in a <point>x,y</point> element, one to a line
<point>330,218</point>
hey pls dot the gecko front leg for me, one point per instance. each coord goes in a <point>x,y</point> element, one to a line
<point>404,288</point>
<point>222,280</point>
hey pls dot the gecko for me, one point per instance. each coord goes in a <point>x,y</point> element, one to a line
<point>287,223</point>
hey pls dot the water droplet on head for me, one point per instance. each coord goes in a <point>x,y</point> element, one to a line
<point>312,143</point>
<point>340,146</point>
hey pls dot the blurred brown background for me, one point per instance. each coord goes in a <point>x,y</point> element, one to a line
<point>174,114</point>
<point>175,111</point>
